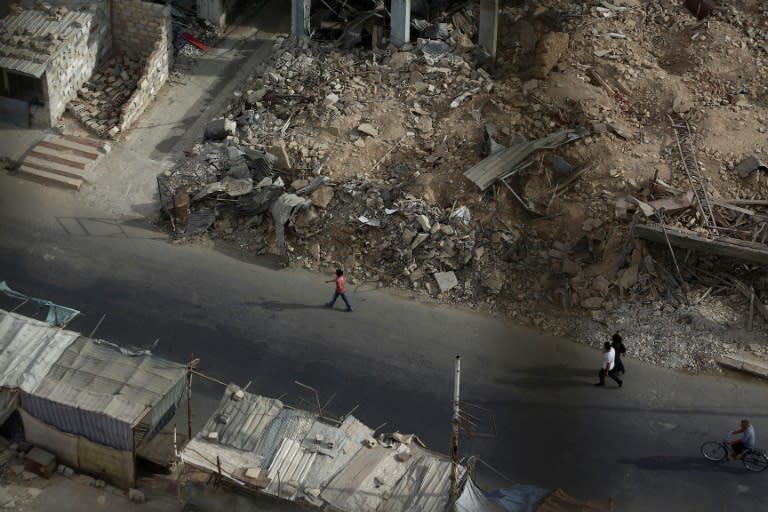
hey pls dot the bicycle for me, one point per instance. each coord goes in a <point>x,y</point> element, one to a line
<point>754,460</point>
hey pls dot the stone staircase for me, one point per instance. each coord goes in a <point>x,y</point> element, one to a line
<point>63,160</point>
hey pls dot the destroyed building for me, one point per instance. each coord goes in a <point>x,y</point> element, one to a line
<point>103,60</point>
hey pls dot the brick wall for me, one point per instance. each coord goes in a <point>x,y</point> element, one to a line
<point>137,25</point>
<point>155,75</point>
<point>76,62</point>
<point>143,28</point>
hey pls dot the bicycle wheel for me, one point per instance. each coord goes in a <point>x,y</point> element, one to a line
<point>713,450</point>
<point>755,461</point>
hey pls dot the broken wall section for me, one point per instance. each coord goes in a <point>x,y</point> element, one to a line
<point>142,28</point>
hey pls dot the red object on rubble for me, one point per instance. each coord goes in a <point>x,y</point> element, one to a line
<point>195,41</point>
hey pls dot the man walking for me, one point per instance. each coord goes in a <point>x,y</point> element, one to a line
<point>609,356</point>
<point>341,290</point>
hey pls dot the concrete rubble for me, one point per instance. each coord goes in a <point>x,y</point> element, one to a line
<point>549,243</point>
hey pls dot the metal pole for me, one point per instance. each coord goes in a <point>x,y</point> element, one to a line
<point>455,427</point>
<point>189,400</point>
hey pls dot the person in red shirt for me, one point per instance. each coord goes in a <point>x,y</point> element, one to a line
<point>341,290</point>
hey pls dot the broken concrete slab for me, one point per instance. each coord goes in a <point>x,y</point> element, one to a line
<point>368,129</point>
<point>322,197</point>
<point>445,280</point>
<point>282,160</point>
<point>219,129</point>
<point>746,167</point>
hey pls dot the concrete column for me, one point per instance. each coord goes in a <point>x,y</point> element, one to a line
<point>489,26</point>
<point>400,33</point>
<point>300,17</point>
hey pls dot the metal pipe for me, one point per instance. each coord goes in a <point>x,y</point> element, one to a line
<point>455,426</point>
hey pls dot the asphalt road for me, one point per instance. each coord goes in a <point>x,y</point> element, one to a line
<point>393,357</point>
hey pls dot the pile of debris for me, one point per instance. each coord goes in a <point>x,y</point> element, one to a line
<point>100,100</point>
<point>514,193</point>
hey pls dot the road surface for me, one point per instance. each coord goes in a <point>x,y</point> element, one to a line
<point>393,357</point>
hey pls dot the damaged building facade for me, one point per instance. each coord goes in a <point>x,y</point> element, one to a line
<point>50,52</point>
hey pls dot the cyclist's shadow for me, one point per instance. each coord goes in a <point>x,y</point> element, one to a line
<point>680,463</point>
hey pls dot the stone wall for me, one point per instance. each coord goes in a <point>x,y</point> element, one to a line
<point>75,63</point>
<point>154,76</point>
<point>138,25</point>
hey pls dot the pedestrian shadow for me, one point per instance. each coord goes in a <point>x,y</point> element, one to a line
<point>274,305</point>
<point>553,376</point>
<point>681,463</point>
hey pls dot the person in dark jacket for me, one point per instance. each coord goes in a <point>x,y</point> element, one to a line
<point>618,346</point>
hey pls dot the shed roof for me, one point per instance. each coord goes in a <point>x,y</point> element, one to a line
<point>302,457</point>
<point>28,349</point>
<point>30,38</point>
<point>97,376</point>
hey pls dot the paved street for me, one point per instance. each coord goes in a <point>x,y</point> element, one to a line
<point>392,357</point>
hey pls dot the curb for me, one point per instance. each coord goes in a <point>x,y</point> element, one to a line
<point>745,363</point>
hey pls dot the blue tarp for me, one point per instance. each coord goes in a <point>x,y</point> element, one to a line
<point>58,316</point>
<point>518,498</point>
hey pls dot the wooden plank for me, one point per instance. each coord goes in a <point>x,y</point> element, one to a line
<point>721,246</point>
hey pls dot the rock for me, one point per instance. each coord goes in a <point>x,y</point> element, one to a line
<point>571,267</point>
<point>256,96</point>
<point>548,52</point>
<point>592,303</point>
<point>99,484</point>
<point>322,197</point>
<point>314,251</point>
<point>447,230</point>
<point>493,281</point>
<point>136,496</point>
<point>368,129</point>
<point>408,236</point>
<point>420,239</point>
<point>424,223</point>
<point>400,59</point>
<point>282,159</point>
<point>331,99</point>
<point>445,280</point>
<point>219,129</point>
<point>682,102</point>
<point>28,475</point>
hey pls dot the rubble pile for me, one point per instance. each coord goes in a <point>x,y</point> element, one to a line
<point>388,134</point>
<point>100,101</point>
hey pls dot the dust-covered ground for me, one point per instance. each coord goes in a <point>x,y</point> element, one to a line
<point>393,131</point>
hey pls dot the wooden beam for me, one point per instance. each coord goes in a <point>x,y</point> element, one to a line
<point>721,246</point>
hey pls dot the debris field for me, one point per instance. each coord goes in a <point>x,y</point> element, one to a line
<point>603,174</point>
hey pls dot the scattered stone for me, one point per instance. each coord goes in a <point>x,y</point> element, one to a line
<point>445,280</point>
<point>368,129</point>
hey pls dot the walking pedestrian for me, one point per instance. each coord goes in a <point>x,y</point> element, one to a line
<point>620,349</point>
<point>608,368</point>
<point>341,290</point>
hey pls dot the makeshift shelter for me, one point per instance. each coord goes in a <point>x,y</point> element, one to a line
<point>89,402</point>
<point>258,444</point>
<point>28,350</point>
<point>99,403</point>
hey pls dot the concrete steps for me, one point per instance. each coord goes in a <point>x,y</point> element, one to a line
<point>63,160</point>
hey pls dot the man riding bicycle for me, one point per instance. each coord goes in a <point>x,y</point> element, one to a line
<point>747,441</point>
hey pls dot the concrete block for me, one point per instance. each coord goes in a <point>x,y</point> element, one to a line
<point>445,280</point>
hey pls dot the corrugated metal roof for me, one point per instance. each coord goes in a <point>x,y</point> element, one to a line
<point>28,349</point>
<point>31,38</point>
<point>96,376</point>
<point>306,458</point>
<point>241,423</point>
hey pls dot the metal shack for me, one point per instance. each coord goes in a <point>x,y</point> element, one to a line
<point>89,402</point>
<point>257,444</point>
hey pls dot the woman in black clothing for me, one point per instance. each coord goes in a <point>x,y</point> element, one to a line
<point>618,346</point>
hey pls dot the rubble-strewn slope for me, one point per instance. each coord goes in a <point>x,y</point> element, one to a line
<point>394,132</point>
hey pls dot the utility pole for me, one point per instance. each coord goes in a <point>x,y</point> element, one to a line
<point>455,426</point>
